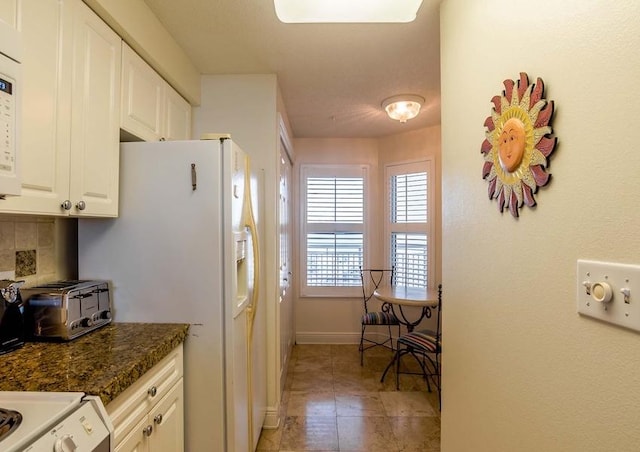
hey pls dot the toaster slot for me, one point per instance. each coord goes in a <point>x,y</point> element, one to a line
<point>104,304</point>
<point>88,300</point>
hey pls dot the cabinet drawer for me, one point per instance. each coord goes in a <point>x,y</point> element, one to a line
<point>137,400</point>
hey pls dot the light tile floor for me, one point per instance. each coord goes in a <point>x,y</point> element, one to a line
<point>331,403</point>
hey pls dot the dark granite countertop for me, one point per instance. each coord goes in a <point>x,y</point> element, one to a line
<point>104,362</point>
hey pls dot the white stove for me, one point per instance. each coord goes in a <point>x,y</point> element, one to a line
<point>53,422</point>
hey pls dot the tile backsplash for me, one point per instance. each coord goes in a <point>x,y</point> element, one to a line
<point>25,263</point>
<point>28,247</point>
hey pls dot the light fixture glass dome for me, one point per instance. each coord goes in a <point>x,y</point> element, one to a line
<point>403,107</point>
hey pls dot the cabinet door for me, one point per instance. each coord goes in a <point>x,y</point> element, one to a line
<point>9,12</point>
<point>95,116</point>
<point>178,116</point>
<point>142,97</point>
<point>136,440</point>
<point>46,27</point>
<point>167,418</point>
<point>137,400</point>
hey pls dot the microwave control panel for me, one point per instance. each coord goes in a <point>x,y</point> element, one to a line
<point>7,125</point>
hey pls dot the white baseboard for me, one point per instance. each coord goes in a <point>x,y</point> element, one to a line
<point>338,338</point>
<point>327,338</point>
<point>271,418</point>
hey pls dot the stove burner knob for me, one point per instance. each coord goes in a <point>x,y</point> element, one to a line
<point>65,444</point>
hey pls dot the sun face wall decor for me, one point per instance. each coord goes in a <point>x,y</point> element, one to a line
<point>518,143</point>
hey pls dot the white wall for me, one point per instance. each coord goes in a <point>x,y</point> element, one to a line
<point>331,320</point>
<point>522,370</point>
<point>337,320</point>
<point>412,146</point>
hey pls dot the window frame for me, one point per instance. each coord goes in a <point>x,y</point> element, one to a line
<point>428,228</point>
<point>320,170</point>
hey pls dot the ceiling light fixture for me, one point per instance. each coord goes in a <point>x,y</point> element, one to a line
<point>403,107</point>
<point>343,11</point>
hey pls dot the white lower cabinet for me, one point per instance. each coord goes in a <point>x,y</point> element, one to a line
<point>135,441</point>
<point>162,430</point>
<point>167,421</point>
<point>149,415</point>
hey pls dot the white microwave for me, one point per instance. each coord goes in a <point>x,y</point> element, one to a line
<point>10,109</point>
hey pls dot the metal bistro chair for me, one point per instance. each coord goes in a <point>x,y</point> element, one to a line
<point>425,344</point>
<point>372,279</point>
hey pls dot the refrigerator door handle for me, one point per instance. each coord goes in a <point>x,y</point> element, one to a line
<point>250,223</point>
<point>194,181</point>
<point>251,310</point>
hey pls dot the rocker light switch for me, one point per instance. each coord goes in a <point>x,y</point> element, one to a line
<point>609,292</point>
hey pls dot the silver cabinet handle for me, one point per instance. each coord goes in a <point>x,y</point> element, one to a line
<point>148,430</point>
<point>81,205</point>
<point>158,419</point>
<point>152,391</point>
<point>66,205</point>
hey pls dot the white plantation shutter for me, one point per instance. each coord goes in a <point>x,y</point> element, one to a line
<point>409,258</point>
<point>408,223</point>
<point>333,224</point>
<point>335,200</point>
<point>333,259</point>
<point>409,198</point>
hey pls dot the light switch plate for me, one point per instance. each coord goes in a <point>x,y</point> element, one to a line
<point>598,282</point>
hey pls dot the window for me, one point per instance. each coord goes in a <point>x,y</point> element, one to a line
<point>408,225</point>
<point>333,229</point>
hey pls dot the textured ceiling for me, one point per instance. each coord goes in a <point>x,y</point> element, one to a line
<point>333,77</point>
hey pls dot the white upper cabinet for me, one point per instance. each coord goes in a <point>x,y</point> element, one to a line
<point>46,28</point>
<point>151,109</point>
<point>178,116</point>
<point>142,97</point>
<point>9,12</point>
<point>95,116</point>
<point>70,113</point>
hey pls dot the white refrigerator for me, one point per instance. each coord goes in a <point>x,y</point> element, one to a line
<point>185,249</point>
